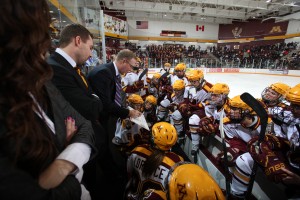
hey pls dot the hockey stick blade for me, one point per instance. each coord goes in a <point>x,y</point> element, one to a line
<point>263,115</point>
<point>260,111</point>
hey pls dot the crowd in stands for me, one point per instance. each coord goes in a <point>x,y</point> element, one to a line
<point>280,55</point>
<point>276,56</point>
<point>264,56</point>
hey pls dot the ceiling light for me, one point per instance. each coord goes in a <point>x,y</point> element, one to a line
<point>268,1</point>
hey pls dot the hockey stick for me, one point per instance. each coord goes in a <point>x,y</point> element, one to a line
<point>221,127</point>
<point>263,115</point>
<point>143,74</point>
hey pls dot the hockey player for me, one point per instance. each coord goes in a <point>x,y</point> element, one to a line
<point>178,99</point>
<point>209,124</point>
<point>241,125</point>
<point>277,156</point>
<point>166,68</point>
<point>153,86</point>
<point>293,135</point>
<point>187,181</point>
<point>163,111</point>
<point>199,88</point>
<point>274,101</point>
<point>127,132</point>
<point>148,165</point>
<point>132,82</point>
<point>179,73</point>
<point>274,94</point>
<point>150,110</point>
<point>150,116</point>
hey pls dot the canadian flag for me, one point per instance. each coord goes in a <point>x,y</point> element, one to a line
<point>199,28</point>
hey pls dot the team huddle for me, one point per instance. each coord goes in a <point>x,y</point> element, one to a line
<point>184,105</point>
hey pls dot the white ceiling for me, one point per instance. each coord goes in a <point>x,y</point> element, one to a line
<point>208,11</point>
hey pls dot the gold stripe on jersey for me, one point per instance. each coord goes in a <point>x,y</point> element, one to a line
<point>206,87</point>
<point>246,179</point>
<point>166,161</point>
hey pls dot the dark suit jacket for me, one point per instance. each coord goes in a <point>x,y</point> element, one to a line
<point>103,81</point>
<point>72,87</point>
<point>25,176</point>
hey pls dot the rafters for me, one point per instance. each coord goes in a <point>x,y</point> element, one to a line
<point>213,11</point>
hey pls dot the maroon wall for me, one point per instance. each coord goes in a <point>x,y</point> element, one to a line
<point>253,28</point>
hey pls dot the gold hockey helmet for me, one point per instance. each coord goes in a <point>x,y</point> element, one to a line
<point>178,84</point>
<point>220,88</point>
<point>195,75</point>
<point>190,181</point>
<point>164,135</point>
<point>135,98</point>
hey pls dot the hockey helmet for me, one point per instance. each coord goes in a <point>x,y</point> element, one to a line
<point>151,99</point>
<point>281,88</point>
<point>135,99</point>
<point>239,109</point>
<point>220,88</point>
<point>165,103</point>
<point>190,181</point>
<point>164,135</point>
<point>167,65</point>
<point>237,102</point>
<point>293,95</point>
<point>180,67</point>
<point>195,75</point>
<point>270,97</point>
<point>178,84</point>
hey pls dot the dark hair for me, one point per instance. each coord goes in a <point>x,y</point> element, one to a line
<point>24,33</point>
<point>71,31</point>
<point>153,162</point>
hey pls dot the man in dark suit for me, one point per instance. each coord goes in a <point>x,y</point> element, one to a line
<point>74,49</point>
<point>103,80</point>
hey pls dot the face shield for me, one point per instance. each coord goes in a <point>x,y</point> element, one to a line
<point>270,96</point>
<point>217,99</point>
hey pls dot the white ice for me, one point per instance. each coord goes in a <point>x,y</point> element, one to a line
<point>251,83</point>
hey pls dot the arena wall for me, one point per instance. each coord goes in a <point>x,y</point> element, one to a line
<point>210,31</point>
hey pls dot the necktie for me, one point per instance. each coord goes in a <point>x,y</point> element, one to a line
<point>78,70</point>
<point>118,99</point>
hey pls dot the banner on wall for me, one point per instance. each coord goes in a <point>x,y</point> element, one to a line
<point>141,24</point>
<point>115,25</point>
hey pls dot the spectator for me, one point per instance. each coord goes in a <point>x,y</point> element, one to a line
<point>36,159</point>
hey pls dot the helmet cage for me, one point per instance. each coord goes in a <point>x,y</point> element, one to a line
<point>271,97</point>
<point>219,99</point>
<point>238,114</point>
<point>137,106</point>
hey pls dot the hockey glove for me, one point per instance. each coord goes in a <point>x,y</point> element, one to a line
<point>271,161</point>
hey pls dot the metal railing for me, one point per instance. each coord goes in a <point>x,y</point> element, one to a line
<point>219,63</point>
